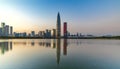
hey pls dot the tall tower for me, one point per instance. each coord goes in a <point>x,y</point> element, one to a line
<point>58,28</point>
<point>65,30</point>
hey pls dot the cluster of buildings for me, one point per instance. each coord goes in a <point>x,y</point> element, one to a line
<point>54,33</point>
<point>6,30</point>
<point>43,34</point>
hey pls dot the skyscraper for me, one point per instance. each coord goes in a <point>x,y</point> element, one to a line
<point>3,24</point>
<point>6,30</point>
<point>54,33</point>
<point>0,31</point>
<point>3,28</point>
<point>65,30</point>
<point>58,28</point>
<point>11,30</point>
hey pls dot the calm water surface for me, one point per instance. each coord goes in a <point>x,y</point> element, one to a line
<point>59,54</point>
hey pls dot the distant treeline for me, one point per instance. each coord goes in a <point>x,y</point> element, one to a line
<point>101,37</point>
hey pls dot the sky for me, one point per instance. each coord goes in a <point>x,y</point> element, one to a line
<point>98,17</point>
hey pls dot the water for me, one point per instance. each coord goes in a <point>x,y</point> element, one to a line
<point>59,54</point>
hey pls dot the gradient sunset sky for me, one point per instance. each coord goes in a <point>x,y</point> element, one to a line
<point>97,17</point>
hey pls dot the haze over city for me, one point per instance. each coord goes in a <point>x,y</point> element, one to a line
<point>97,17</point>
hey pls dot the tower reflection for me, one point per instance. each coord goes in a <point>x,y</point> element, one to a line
<point>53,43</point>
<point>65,47</point>
<point>58,49</point>
<point>10,45</point>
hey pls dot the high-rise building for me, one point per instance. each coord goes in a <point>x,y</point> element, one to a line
<point>2,24</point>
<point>53,33</point>
<point>48,33</point>
<point>0,31</point>
<point>32,33</point>
<point>11,30</point>
<point>40,34</point>
<point>6,30</point>
<point>65,29</point>
<point>3,28</point>
<point>58,28</point>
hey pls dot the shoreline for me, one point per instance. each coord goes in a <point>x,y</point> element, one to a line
<point>115,37</point>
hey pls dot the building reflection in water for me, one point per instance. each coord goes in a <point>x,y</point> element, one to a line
<point>20,43</point>
<point>5,46</point>
<point>32,43</point>
<point>10,45</point>
<point>54,43</point>
<point>65,47</point>
<point>58,48</point>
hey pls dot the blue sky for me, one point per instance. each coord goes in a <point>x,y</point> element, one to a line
<point>85,16</point>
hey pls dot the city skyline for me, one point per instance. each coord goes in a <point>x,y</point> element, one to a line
<point>83,16</point>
